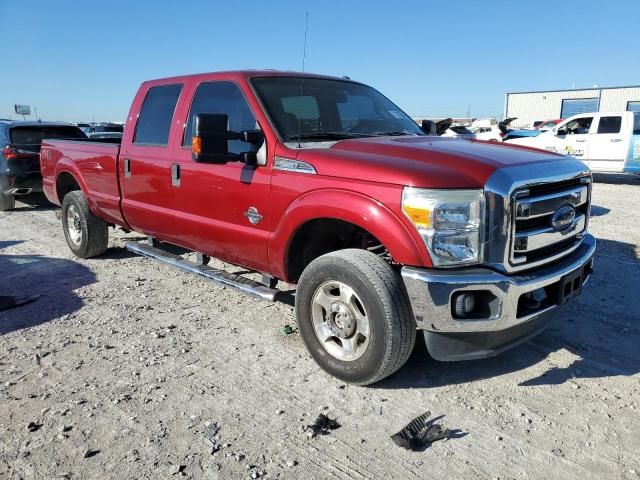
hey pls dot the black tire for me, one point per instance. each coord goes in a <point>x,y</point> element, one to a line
<point>381,292</point>
<point>93,236</point>
<point>7,202</point>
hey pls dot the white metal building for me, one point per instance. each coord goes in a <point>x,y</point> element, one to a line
<point>553,104</point>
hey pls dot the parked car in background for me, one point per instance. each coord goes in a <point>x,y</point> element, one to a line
<point>605,141</point>
<point>325,183</point>
<point>486,130</point>
<point>19,158</point>
<point>115,137</point>
<point>103,127</point>
<point>545,125</point>
<point>454,131</point>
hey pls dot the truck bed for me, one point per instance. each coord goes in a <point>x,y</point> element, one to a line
<point>93,165</point>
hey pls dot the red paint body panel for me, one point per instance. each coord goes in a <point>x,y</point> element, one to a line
<point>358,181</point>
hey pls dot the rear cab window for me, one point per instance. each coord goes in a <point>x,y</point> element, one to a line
<point>156,115</point>
<point>610,124</point>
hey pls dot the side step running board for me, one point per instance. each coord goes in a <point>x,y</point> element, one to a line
<point>238,282</point>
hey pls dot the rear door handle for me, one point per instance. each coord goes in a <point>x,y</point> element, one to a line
<point>175,174</point>
<point>127,168</point>
<point>581,140</point>
<point>616,139</point>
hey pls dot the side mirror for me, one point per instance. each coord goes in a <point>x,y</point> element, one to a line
<point>211,136</point>
<point>561,132</point>
<point>428,127</point>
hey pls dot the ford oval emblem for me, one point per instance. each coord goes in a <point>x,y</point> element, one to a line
<point>563,217</point>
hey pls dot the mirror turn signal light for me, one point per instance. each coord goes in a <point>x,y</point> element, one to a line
<point>196,144</point>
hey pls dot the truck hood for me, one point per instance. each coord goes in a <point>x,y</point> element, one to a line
<point>423,161</point>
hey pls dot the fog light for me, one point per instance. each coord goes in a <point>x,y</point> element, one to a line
<point>464,304</point>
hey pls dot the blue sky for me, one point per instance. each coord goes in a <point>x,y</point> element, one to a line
<point>81,60</point>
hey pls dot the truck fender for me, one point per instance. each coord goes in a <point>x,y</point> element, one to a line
<point>367,213</point>
<point>66,165</point>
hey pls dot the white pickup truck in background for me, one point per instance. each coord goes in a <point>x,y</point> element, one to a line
<point>607,142</point>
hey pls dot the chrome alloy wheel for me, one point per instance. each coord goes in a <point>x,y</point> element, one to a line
<point>73,225</point>
<point>340,321</point>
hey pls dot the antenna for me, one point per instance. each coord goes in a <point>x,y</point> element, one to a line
<point>304,56</point>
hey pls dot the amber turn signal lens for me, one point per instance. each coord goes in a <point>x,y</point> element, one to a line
<point>418,216</point>
<point>196,144</point>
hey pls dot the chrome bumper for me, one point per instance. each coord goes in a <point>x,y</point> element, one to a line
<point>431,293</point>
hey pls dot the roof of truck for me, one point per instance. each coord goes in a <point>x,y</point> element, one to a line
<point>250,74</point>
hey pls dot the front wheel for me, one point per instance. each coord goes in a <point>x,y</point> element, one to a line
<point>86,234</point>
<point>354,316</point>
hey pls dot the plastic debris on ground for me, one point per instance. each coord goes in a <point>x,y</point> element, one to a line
<point>421,432</point>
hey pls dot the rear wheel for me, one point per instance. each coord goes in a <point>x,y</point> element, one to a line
<point>86,234</point>
<point>354,316</point>
<point>7,202</point>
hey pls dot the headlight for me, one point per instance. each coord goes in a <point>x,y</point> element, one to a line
<point>449,222</point>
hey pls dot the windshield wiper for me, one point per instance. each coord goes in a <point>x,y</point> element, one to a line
<point>328,135</point>
<point>397,133</point>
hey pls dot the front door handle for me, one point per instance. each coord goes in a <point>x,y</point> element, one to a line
<point>127,168</point>
<point>616,139</point>
<point>581,140</point>
<point>175,174</point>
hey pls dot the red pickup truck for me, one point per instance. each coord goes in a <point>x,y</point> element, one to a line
<point>325,183</point>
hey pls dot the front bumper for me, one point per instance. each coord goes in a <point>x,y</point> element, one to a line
<point>516,307</point>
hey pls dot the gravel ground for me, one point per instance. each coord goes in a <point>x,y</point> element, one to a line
<point>126,368</point>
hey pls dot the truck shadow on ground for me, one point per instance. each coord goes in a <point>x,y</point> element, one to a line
<point>51,281</point>
<point>617,178</point>
<point>597,211</point>
<point>600,330</point>
<point>33,201</point>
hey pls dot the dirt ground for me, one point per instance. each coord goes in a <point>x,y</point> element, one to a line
<point>125,368</point>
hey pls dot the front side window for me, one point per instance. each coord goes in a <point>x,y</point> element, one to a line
<point>610,124</point>
<point>154,121</point>
<point>636,123</point>
<point>322,109</point>
<point>224,98</point>
<point>579,126</point>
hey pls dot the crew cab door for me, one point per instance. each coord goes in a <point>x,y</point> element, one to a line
<point>572,137</point>
<point>608,145</point>
<point>145,163</point>
<point>222,210</point>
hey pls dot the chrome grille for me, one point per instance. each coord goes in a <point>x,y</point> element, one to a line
<point>534,239</point>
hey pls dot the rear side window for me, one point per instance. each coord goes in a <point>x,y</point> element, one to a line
<point>610,124</point>
<point>154,121</point>
<point>227,98</point>
<point>33,135</point>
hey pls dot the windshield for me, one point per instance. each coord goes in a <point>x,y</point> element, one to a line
<point>330,109</point>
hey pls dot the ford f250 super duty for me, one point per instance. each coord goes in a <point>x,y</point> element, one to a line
<point>325,183</point>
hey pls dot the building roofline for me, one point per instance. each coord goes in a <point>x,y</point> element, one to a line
<point>573,90</point>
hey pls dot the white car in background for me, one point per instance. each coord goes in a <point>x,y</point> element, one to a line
<point>489,133</point>
<point>605,141</point>
<point>486,129</point>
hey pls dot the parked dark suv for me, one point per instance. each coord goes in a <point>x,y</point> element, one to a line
<point>20,156</point>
